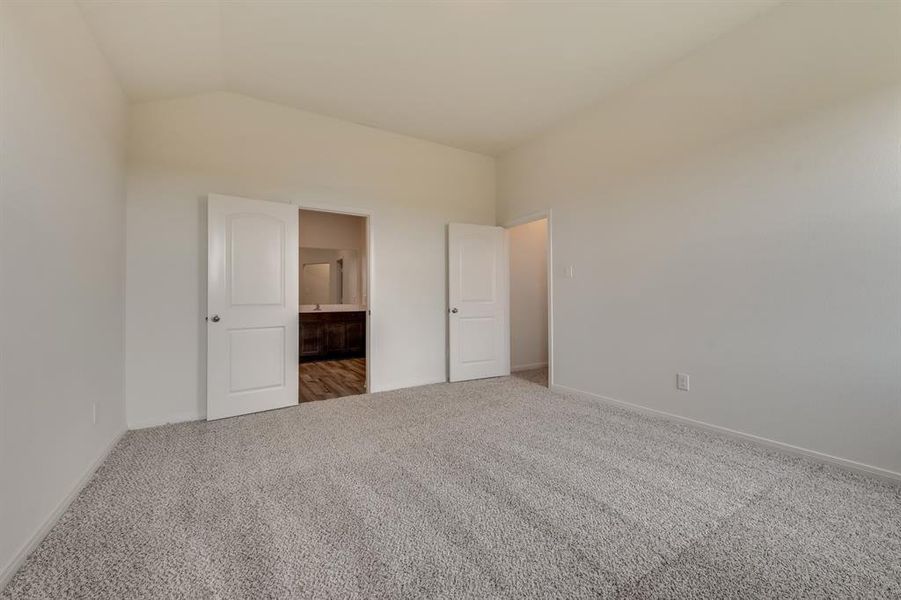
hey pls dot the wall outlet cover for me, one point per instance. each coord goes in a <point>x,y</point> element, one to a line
<point>682,382</point>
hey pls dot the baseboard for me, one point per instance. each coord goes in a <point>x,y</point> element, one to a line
<point>187,417</point>
<point>390,387</point>
<point>156,422</point>
<point>528,367</point>
<point>843,463</point>
<point>28,547</point>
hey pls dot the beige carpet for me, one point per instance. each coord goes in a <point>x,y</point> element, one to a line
<point>487,489</point>
<point>538,376</point>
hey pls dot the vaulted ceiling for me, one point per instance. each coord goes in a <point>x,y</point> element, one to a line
<point>478,75</point>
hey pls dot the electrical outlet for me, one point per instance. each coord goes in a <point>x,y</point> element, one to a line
<point>569,272</point>
<point>682,381</point>
<point>94,412</point>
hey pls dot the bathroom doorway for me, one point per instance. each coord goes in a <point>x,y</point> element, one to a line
<point>334,304</point>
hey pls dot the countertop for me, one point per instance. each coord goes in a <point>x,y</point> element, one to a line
<point>311,308</point>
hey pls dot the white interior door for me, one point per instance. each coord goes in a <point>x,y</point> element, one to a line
<point>479,296</point>
<point>252,302</point>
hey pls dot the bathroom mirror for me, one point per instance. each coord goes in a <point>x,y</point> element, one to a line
<point>316,278</point>
<point>330,276</point>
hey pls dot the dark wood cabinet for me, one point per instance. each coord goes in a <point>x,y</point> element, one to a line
<point>335,337</point>
<point>327,335</point>
<point>310,338</point>
<point>356,336</point>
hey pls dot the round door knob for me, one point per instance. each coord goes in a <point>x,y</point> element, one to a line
<point>214,318</point>
<point>454,310</point>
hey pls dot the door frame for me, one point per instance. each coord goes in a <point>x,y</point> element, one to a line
<point>538,215</point>
<point>370,271</point>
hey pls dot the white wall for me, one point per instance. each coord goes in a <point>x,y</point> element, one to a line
<point>737,217</point>
<point>62,184</point>
<point>183,149</point>
<point>528,295</point>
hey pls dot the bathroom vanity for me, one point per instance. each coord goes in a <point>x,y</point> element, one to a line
<point>332,332</point>
<point>332,304</point>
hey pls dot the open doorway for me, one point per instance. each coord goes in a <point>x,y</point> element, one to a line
<point>333,285</point>
<point>530,331</point>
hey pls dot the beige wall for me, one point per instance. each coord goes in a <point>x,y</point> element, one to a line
<point>528,295</point>
<point>62,184</point>
<point>736,217</point>
<point>181,150</point>
<point>331,230</point>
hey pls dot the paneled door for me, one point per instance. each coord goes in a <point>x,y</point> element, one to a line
<point>479,301</point>
<point>252,306</point>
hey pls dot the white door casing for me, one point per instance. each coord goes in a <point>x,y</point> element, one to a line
<point>252,306</point>
<point>479,301</point>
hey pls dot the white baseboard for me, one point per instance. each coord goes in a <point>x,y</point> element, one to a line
<point>38,536</point>
<point>187,417</point>
<point>402,385</point>
<point>528,367</point>
<point>156,422</point>
<point>822,457</point>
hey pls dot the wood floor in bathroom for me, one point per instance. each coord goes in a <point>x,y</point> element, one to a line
<point>332,379</point>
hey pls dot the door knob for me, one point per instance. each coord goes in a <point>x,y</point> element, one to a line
<point>214,318</point>
<point>454,310</point>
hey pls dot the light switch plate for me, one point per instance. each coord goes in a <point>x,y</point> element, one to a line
<point>682,381</point>
<point>569,271</point>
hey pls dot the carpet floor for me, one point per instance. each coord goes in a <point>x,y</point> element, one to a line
<point>497,488</point>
